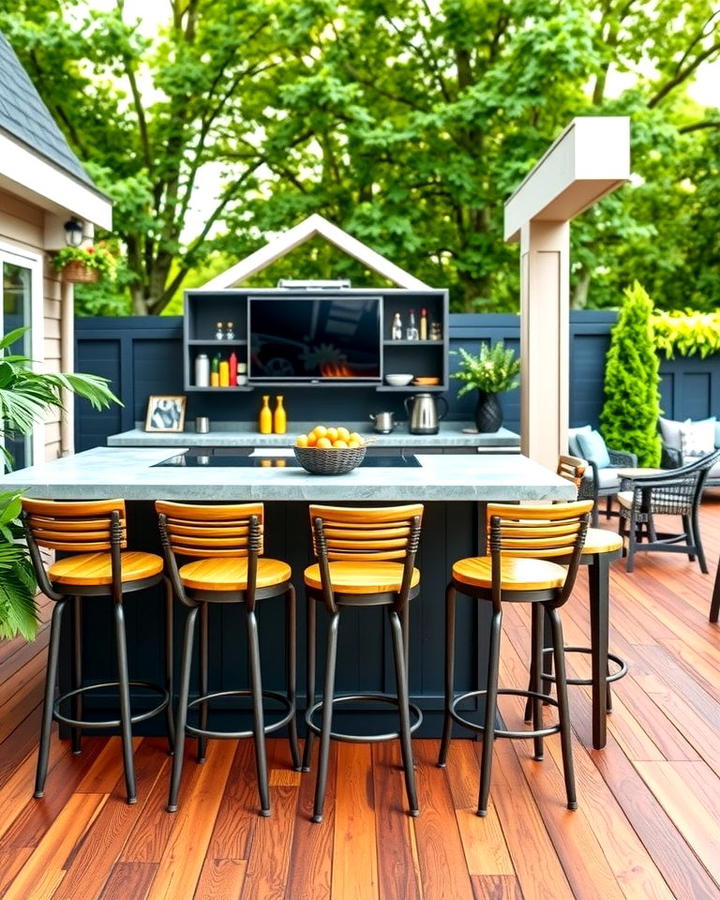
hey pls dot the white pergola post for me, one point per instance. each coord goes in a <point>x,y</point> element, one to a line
<point>590,159</point>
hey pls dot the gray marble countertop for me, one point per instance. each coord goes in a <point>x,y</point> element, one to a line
<point>244,434</point>
<point>107,472</point>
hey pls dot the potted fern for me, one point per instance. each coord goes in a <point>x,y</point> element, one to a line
<point>493,370</point>
<point>25,397</point>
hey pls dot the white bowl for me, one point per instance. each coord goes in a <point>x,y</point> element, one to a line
<point>399,380</point>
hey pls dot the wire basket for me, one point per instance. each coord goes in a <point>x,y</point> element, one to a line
<point>329,461</point>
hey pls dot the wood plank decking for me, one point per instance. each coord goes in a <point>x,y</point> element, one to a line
<point>647,825</point>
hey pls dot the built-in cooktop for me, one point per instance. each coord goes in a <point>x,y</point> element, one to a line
<point>194,460</point>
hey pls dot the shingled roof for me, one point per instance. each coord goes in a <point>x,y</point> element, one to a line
<point>24,116</point>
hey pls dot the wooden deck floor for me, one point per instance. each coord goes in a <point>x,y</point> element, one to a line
<point>647,825</point>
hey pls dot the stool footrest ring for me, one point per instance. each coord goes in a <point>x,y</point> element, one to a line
<point>363,738</point>
<point>613,676</point>
<point>110,723</point>
<point>236,735</point>
<point>502,732</point>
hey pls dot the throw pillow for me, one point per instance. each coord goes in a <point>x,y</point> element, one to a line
<point>697,438</point>
<point>573,446</point>
<point>593,447</point>
<point>670,432</point>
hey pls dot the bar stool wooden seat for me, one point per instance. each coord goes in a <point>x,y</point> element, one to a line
<point>601,547</point>
<point>223,545</point>
<point>94,535</point>
<point>525,542</point>
<point>365,558</point>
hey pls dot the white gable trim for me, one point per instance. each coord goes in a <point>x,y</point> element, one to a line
<point>588,160</point>
<point>31,177</point>
<point>311,227</point>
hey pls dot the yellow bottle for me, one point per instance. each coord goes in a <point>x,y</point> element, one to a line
<point>224,374</point>
<point>266,419</point>
<point>280,417</point>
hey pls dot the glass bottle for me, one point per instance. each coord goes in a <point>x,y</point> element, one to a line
<point>265,420</point>
<point>423,324</point>
<point>397,331</point>
<point>412,332</point>
<point>280,416</point>
<point>219,333</point>
<point>229,332</point>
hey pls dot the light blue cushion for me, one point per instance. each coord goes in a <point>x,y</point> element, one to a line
<point>573,446</point>
<point>593,447</point>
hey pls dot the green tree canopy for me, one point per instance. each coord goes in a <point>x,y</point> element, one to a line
<point>407,122</point>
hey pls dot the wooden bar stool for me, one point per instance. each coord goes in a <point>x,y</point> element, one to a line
<point>601,547</point>
<point>93,536</point>
<point>365,558</point>
<point>524,541</point>
<point>223,547</point>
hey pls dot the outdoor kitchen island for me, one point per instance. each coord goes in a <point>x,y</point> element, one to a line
<point>454,490</point>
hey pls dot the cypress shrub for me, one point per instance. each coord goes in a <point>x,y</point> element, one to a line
<point>629,417</point>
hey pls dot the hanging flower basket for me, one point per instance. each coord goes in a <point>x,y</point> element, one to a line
<point>77,272</point>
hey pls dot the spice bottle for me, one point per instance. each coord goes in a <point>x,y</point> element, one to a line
<point>219,332</point>
<point>265,420</point>
<point>412,332</point>
<point>397,331</point>
<point>423,324</point>
<point>233,364</point>
<point>215,371</point>
<point>224,373</point>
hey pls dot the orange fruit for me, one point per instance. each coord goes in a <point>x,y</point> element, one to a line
<point>324,443</point>
<point>320,431</point>
<point>340,445</point>
<point>332,433</point>
<point>301,440</point>
<point>343,433</point>
<point>312,439</point>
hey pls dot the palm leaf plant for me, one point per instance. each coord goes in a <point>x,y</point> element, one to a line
<point>25,397</point>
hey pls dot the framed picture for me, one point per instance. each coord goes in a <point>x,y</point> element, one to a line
<point>165,412</point>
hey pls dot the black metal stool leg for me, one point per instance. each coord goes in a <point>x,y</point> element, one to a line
<point>77,674</point>
<point>533,681</point>
<point>327,712</point>
<point>536,674</point>
<point>310,679</point>
<point>490,712</point>
<point>50,679</point>
<point>450,606</point>
<point>563,707</point>
<point>169,676</point>
<point>291,655</point>
<point>698,541</point>
<point>404,709</point>
<point>125,712</point>
<point>687,525</point>
<point>258,716</point>
<point>715,603</point>
<point>185,666</point>
<point>203,673</point>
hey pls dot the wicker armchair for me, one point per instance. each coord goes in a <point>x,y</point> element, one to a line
<point>604,482</point>
<point>673,493</point>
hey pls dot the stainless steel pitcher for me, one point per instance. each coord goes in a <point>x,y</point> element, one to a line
<point>423,416</point>
<point>383,422</point>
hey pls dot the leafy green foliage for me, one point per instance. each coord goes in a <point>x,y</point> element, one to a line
<point>493,370</point>
<point>92,257</point>
<point>25,396</point>
<point>405,122</point>
<point>629,416</point>
<point>687,333</point>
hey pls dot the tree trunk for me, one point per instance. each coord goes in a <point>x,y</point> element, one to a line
<point>580,294</point>
<point>140,306</point>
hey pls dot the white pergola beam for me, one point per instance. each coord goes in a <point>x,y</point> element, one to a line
<point>589,160</point>
<point>314,226</point>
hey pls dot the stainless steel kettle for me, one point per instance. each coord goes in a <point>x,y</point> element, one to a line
<point>423,416</point>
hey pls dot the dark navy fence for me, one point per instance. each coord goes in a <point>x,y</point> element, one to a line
<point>143,355</point>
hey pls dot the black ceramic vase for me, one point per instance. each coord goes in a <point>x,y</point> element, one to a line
<point>488,414</point>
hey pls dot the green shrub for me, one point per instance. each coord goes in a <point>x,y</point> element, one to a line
<point>688,333</point>
<point>629,417</point>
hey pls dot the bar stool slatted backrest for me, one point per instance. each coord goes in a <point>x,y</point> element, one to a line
<point>366,536</point>
<point>229,531</point>
<point>572,468</point>
<point>92,527</point>
<point>540,531</point>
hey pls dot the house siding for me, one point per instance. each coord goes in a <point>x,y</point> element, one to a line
<point>22,225</point>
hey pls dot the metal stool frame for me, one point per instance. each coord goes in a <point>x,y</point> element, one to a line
<point>116,590</point>
<point>197,601</point>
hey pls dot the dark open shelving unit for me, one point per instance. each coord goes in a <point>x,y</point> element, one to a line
<point>422,358</point>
